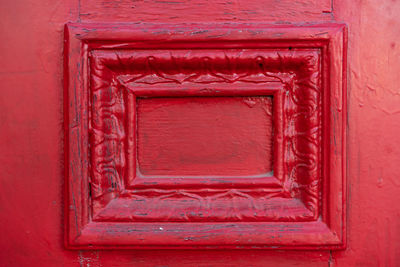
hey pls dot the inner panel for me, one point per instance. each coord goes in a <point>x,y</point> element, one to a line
<point>204,136</point>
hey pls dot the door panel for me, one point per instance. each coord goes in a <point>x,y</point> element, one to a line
<point>31,138</point>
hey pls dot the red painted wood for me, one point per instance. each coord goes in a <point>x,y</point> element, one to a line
<point>203,11</point>
<point>298,66</point>
<point>204,136</point>
<point>31,180</point>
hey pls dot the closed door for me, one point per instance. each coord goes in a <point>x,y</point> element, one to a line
<point>203,133</point>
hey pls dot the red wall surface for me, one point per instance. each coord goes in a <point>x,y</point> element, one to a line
<point>31,128</point>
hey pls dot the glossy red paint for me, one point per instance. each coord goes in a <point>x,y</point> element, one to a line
<point>111,204</point>
<point>204,136</point>
<point>31,180</point>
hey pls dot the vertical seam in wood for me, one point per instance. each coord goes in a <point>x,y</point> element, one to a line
<point>79,10</point>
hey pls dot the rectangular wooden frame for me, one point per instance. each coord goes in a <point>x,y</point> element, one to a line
<point>325,229</point>
<point>138,181</point>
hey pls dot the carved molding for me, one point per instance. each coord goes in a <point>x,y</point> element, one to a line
<point>301,205</point>
<point>114,72</point>
<point>204,205</point>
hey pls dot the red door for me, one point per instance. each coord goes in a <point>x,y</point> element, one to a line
<point>170,133</point>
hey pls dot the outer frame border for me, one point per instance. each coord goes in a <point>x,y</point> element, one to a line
<point>329,232</point>
<point>111,199</point>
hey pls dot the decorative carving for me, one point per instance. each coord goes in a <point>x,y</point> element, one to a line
<point>202,205</point>
<point>113,72</point>
<point>301,205</point>
<point>107,133</point>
